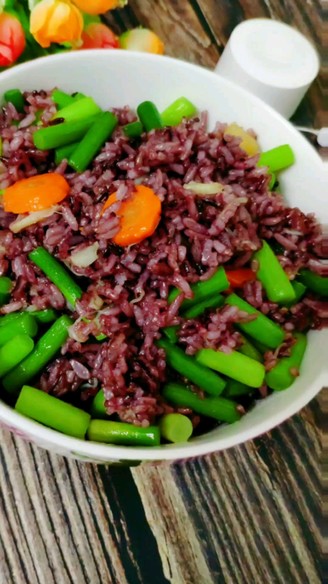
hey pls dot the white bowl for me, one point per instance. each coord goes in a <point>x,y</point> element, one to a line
<point>116,78</point>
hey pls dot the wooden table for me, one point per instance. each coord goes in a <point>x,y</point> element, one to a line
<point>251,515</point>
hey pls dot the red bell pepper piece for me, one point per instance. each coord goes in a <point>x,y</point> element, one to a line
<point>237,278</point>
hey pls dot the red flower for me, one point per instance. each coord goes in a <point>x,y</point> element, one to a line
<point>12,39</point>
<point>98,36</point>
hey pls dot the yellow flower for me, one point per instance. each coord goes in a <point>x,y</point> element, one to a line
<point>98,6</point>
<point>56,21</point>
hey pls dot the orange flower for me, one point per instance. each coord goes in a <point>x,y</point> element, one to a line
<point>98,6</point>
<point>141,39</point>
<point>12,39</point>
<point>98,36</point>
<point>56,21</point>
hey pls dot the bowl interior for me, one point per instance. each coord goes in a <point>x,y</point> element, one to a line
<point>117,78</point>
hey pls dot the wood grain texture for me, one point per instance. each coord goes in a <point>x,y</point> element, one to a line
<point>256,514</point>
<point>66,522</point>
<point>251,514</point>
<point>180,28</point>
<point>254,509</point>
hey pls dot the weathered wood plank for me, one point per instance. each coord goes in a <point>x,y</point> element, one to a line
<point>179,545</point>
<point>178,25</point>
<point>48,507</point>
<point>253,510</point>
<point>249,514</point>
<point>68,522</point>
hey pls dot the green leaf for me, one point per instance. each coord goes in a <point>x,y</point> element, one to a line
<point>9,5</point>
<point>55,48</point>
<point>23,17</point>
<point>90,19</point>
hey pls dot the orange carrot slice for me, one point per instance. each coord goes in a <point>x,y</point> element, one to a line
<point>35,193</point>
<point>139,215</point>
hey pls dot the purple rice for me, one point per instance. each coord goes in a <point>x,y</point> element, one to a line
<point>126,289</point>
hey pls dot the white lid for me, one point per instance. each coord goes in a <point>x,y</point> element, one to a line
<point>272,60</point>
<point>323,137</point>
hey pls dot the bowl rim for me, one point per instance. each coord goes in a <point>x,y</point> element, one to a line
<point>106,452</point>
<point>169,452</point>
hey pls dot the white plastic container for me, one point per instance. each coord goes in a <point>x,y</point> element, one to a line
<point>272,60</point>
<point>116,78</point>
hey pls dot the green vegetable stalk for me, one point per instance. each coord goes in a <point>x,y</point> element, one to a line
<point>62,134</point>
<point>250,350</point>
<point>235,389</point>
<point>203,290</point>
<point>78,109</point>
<point>175,427</point>
<point>52,412</point>
<point>121,433</point>
<point>5,289</point>
<point>261,329</point>
<point>284,373</point>
<point>100,131</point>
<point>57,274</point>
<point>44,351</point>
<point>98,409</point>
<point>316,283</point>
<point>20,324</point>
<point>133,130</point>
<point>171,332</point>
<point>13,352</point>
<point>15,97</point>
<point>188,367</point>
<point>277,158</point>
<point>234,365</point>
<point>198,309</point>
<point>149,116</point>
<point>274,279</point>
<point>220,408</point>
<point>176,111</point>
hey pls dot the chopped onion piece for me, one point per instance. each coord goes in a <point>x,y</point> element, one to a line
<point>204,189</point>
<point>24,221</point>
<point>85,257</point>
<point>96,302</point>
<point>138,298</point>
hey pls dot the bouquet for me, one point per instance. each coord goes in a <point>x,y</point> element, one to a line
<point>35,28</point>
